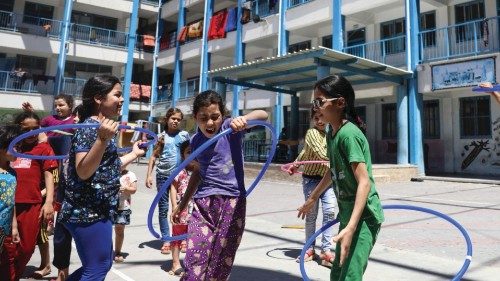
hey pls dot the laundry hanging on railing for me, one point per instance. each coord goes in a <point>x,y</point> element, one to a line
<point>148,40</point>
<point>140,92</point>
<point>195,30</point>
<point>232,15</point>
<point>182,35</point>
<point>217,25</point>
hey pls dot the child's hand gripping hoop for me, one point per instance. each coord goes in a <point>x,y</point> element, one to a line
<point>164,188</point>
<point>457,277</point>
<point>495,88</point>
<point>72,126</point>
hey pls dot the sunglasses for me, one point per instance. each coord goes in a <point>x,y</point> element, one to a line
<point>317,103</point>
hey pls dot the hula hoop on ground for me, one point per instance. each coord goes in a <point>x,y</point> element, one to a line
<point>71,126</point>
<point>495,88</point>
<point>285,167</point>
<point>194,154</point>
<point>458,276</point>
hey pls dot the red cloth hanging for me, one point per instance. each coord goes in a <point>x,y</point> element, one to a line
<point>182,35</point>
<point>145,92</point>
<point>148,40</point>
<point>217,27</point>
<point>135,93</point>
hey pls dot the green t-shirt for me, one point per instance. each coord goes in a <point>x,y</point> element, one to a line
<point>349,145</point>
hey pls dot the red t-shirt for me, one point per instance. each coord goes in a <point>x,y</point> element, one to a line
<point>30,174</point>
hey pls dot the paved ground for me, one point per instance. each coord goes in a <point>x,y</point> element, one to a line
<point>411,245</point>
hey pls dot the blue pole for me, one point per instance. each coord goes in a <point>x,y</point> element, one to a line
<point>176,84</point>
<point>154,78</point>
<point>337,30</point>
<point>283,35</point>
<point>205,56</point>
<point>239,57</point>
<point>402,112</point>
<point>412,9</point>
<point>61,59</point>
<point>132,34</point>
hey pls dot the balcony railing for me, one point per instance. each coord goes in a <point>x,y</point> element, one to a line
<point>189,88</point>
<point>164,93</point>
<point>78,32</point>
<point>388,51</point>
<point>12,81</point>
<point>293,3</point>
<point>73,86</point>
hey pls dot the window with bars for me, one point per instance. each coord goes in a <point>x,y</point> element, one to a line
<point>389,121</point>
<point>83,70</point>
<point>431,122</point>
<point>475,117</point>
<point>7,5</point>
<point>391,29</point>
<point>33,65</point>
<point>428,23</point>
<point>94,20</point>
<point>33,11</point>
<point>465,13</point>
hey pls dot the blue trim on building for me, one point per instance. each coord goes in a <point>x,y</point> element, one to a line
<point>154,78</point>
<point>132,36</point>
<point>205,56</point>
<point>61,59</point>
<point>337,26</point>
<point>239,57</point>
<point>176,84</point>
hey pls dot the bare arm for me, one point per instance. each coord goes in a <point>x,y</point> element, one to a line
<point>496,95</point>
<point>47,211</point>
<point>194,181</point>
<point>14,232</point>
<point>130,188</point>
<point>173,196</point>
<point>136,152</point>
<point>325,183</point>
<point>149,174</point>
<point>345,236</point>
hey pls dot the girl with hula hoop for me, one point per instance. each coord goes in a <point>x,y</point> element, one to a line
<point>360,210</point>
<point>315,150</point>
<point>217,186</point>
<point>93,183</point>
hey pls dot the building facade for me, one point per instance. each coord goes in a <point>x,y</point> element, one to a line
<point>457,47</point>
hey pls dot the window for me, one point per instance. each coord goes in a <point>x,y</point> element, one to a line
<point>475,118</point>
<point>34,65</point>
<point>389,120</point>
<point>299,46</point>
<point>81,70</point>
<point>431,125</point>
<point>465,13</point>
<point>7,5</point>
<point>327,41</point>
<point>390,30</point>
<point>33,11</point>
<point>94,20</point>
<point>355,38</point>
<point>427,23</point>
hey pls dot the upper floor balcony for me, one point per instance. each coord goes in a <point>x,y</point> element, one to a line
<point>51,28</point>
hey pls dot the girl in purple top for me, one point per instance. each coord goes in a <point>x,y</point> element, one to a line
<point>218,219</point>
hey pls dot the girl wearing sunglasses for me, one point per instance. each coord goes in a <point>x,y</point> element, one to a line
<point>360,211</point>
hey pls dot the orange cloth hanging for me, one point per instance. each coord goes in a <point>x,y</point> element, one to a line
<point>217,27</point>
<point>148,40</point>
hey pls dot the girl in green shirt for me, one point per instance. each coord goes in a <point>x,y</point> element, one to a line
<point>360,210</point>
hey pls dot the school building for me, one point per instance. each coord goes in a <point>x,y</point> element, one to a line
<point>413,65</point>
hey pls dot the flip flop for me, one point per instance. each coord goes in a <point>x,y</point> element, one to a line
<point>119,258</point>
<point>39,274</point>
<point>178,272</point>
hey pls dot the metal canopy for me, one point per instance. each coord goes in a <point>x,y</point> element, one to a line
<point>297,71</point>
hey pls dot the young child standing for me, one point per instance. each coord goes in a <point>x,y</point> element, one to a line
<point>217,183</point>
<point>315,150</point>
<point>9,234</point>
<point>93,182</point>
<point>177,191</point>
<point>128,186</point>
<point>169,157</point>
<point>360,210</point>
<point>32,175</point>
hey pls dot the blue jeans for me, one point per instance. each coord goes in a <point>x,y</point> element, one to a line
<point>62,246</point>
<point>163,207</point>
<point>94,244</point>
<point>328,207</point>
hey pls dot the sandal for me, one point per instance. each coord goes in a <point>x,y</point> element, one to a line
<point>165,249</point>
<point>309,256</point>
<point>178,272</point>
<point>327,258</point>
<point>119,258</point>
<point>40,273</point>
<point>183,246</point>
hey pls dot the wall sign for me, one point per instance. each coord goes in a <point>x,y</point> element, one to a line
<point>463,74</point>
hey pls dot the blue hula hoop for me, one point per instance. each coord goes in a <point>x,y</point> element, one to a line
<point>71,126</point>
<point>194,154</point>
<point>495,88</point>
<point>466,236</point>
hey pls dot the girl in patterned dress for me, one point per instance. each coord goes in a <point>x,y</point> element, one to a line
<point>217,183</point>
<point>93,180</point>
<point>177,191</point>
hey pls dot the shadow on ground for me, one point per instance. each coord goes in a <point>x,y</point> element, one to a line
<point>153,244</point>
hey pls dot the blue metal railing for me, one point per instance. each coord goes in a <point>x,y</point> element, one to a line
<point>78,32</point>
<point>388,51</point>
<point>264,8</point>
<point>164,93</point>
<point>189,88</point>
<point>73,86</point>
